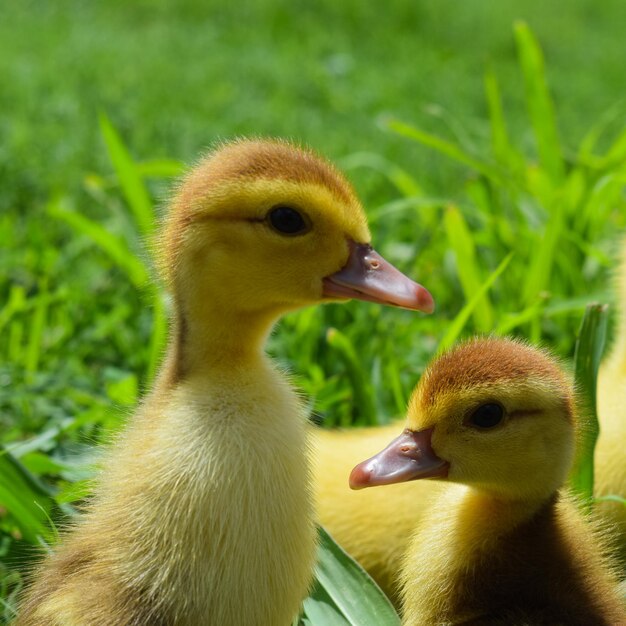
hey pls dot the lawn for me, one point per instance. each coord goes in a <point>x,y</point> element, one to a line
<point>481,174</point>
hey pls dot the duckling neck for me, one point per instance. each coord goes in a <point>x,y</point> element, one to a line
<point>464,531</point>
<point>216,339</point>
<point>483,559</point>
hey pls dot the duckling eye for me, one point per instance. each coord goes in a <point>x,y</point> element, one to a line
<point>287,221</point>
<point>487,416</point>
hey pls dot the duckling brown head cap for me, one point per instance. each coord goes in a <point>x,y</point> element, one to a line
<point>204,192</point>
<point>485,362</point>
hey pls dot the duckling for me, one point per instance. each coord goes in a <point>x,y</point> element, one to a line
<point>503,544</point>
<point>203,511</point>
<point>610,455</point>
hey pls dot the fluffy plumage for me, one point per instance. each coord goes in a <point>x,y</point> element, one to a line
<point>378,545</point>
<point>610,456</point>
<point>203,512</point>
<point>503,545</point>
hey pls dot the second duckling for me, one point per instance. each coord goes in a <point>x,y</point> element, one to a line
<point>504,544</point>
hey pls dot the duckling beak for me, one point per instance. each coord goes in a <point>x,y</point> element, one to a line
<point>367,276</point>
<point>408,457</point>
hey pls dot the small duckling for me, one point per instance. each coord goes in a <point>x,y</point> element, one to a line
<point>504,544</point>
<point>203,513</point>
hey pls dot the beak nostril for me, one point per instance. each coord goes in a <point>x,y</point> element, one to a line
<point>374,264</point>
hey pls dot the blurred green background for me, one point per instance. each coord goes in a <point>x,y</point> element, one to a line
<point>438,111</point>
<point>174,77</point>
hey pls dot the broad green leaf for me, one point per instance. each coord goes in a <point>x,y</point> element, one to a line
<point>344,589</point>
<point>320,609</point>
<point>24,498</point>
<point>589,348</point>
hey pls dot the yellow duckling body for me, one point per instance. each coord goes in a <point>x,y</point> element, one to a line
<point>502,545</point>
<point>610,455</point>
<point>203,513</point>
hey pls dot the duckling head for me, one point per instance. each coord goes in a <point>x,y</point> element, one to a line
<point>495,414</point>
<point>264,226</point>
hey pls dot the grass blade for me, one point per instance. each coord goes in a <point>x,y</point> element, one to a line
<point>38,323</point>
<point>458,323</point>
<point>539,102</point>
<point>348,589</point>
<point>447,148</point>
<point>501,145</point>
<point>400,178</point>
<point>364,405</point>
<point>131,182</point>
<point>589,348</point>
<point>462,244</point>
<point>115,247</point>
<point>542,264</point>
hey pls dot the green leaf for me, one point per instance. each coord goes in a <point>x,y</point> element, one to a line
<point>130,179</point>
<point>542,260</point>
<point>320,609</point>
<point>115,247</point>
<point>589,348</point>
<point>123,391</point>
<point>160,168</point>
<point>462,243</point>
<point>37,326</point>
<point>458,323</point>
<point>503,151</point>
<point>344,593</point>
<point>24,498</point>
<point>364,404</point>
<point>447,148</point>
<point>539,102</point>
<point>400,178</point>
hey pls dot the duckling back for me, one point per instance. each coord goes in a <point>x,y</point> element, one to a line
<point>610,456</point>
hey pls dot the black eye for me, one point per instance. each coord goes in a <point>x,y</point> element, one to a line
<point>487,416</point>
<point>286,220</point>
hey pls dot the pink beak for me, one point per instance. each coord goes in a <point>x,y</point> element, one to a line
<point>408,457</point>
<point>367,276</point>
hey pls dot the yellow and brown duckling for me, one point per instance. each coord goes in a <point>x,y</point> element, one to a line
<point>203,512</point>
<point>503,543</point>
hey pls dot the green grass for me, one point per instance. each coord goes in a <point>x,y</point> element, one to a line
<point>496,183</point>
